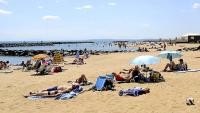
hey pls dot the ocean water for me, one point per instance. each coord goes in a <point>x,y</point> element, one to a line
<point>14,59</point>
<point>98,45</point>
<point>80,46</point>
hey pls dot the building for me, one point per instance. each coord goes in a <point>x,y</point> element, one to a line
<point>188,38</point>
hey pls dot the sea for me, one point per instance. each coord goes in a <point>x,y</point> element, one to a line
<point>98,45</point>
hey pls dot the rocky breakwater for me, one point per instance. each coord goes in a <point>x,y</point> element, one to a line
<point>25,44</point>
<point>6,52</point>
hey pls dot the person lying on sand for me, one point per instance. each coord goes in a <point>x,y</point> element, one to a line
<point>120,77</point>
<point>136,91</point>
<point>181,66</point>
<point>55,90</point>
<point>132,74</point>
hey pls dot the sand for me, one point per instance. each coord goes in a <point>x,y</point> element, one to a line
<point>165,97</point>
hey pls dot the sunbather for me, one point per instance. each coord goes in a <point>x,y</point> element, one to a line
<point>4,65</point>
<point>133,74</point>
<point>176,67</point>
<point>136,91</point>
<point>120,77</point>
<point>56,90</point>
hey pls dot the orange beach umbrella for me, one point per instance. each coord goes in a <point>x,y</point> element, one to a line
<point>40,56</point>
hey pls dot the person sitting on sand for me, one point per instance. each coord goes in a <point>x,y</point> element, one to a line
<point>78,61</point>
<point>4,65</point>
<point>137,75</point>
<point>1,65</point>
<point>176,67</point>
<point>81,61</point>
<point>82,79</point>
<point>28,65</point>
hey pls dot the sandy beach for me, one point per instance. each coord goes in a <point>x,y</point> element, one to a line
<point>165,97</point>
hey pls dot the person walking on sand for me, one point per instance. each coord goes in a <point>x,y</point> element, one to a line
<point>164,46</point>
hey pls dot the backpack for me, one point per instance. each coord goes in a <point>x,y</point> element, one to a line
<point>57,69</point>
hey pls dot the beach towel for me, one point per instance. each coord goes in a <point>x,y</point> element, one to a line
<point>70,95</point>
<point>193,70</point>
<point>63,96</point>
<point>81,84</point>
<point>6,71</point>
<point>39,97</point>
<point>189,70</point>
<point>66,96</point>
<point>34,97</point>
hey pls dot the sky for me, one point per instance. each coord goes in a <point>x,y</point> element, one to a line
<point>37,20</point>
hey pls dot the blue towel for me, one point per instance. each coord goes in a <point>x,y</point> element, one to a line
<point>70,95</point>
<point>77,90</point>
<point>34,97</point>
<point>66,96</point>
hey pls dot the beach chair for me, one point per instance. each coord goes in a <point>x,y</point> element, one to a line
<point>104,83</point>
<point>100,83</point>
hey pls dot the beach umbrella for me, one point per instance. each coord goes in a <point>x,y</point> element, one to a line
<point>77,55</point>
<point>147,60</point>
<point>40,56</point>
<point>170,54</point>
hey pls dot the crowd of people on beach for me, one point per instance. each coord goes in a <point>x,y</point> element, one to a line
<point>138,74</point>
<point>4,65</point>
<point>135,74</point>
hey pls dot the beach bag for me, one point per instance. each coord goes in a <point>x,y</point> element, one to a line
<point>139,78</point>
<point>154,77</point>
<point>57,69</point>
